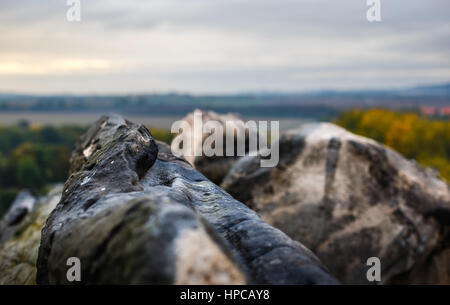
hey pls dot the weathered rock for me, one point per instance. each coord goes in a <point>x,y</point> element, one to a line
<point>21,207</point>
<point>214,168</point>
<point>20,235</point>
<point>268,255</point>
<point>134,213</point>
<point>348,198</point>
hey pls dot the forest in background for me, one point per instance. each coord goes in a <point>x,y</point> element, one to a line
<point>34,156</point>
<point>414,136</point>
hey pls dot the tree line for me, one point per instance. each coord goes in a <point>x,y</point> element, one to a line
<point>414,136</point>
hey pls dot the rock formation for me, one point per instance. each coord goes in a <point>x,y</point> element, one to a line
<point>20,235</point>
<point>133,213</point>
<point>214,168</point>
<point>348,198</point>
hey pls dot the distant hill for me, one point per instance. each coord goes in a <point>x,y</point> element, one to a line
<point>436,90</point>
<point>317,104</point>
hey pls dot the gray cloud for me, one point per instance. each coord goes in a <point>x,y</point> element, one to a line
<point>204,46</point>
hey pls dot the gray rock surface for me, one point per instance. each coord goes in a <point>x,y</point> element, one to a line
<point>348,198</point>
<point>134,213</point>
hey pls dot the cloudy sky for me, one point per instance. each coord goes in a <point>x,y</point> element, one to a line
<point>221,46</point>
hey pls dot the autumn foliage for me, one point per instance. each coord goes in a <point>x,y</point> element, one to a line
<point>414,136</point>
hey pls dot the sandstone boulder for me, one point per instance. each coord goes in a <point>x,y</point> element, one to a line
<point>348,198</point>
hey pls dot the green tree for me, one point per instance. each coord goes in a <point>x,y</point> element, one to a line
<point>28,173</point>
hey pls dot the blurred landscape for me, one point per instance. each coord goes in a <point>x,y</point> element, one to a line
<point>38,133</point>
<point>318,105</point>
<point>324,69</point>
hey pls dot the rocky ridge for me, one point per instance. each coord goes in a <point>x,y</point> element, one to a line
<point>134,213</point>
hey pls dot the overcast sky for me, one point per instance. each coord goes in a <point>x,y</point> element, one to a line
<point>221,46</point>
